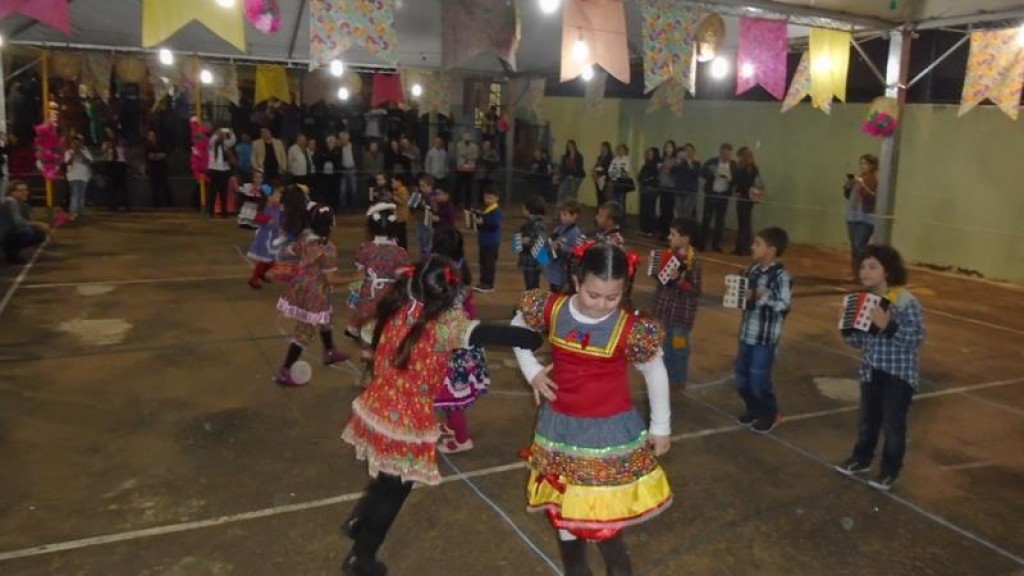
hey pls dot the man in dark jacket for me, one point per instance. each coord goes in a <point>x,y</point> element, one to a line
<point>17,229</point>
<point>718,187</point>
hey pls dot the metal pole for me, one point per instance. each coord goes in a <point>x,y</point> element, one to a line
<point>939,60</point>
<point>896,71</point>
<point>46,117</point>
<point>198,95</point>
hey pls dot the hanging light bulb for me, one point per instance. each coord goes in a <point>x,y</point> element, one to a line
<point>166,57</point>
<point>580,50</point>
<point>337,67</point>
<point>226,3</point>
<point>206,77</point>
<point>588,74</point>
<point>343,93</point>
<point>719,68</point>
<point>1020,35</point>
<point>417,90</point>
<point>747,70</point>
<point>549,6</point>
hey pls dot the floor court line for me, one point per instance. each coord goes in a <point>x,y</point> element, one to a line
<point>42,285</point>
<point>333,500</point>
<point>21,277</point>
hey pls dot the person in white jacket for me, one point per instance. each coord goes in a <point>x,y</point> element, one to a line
<point>436,164</point>
<point>78,160</point>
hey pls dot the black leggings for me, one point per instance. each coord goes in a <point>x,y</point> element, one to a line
<point>613,551</point>
<point>376,512</point>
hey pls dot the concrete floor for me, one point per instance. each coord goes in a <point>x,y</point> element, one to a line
<point>140,433</point>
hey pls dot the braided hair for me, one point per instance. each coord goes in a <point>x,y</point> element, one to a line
<point>606,262</point>
<point>434,285</point>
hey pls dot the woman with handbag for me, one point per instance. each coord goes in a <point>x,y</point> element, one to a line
<point>648,179</point>
<point>749,191</point>
<point>600,172</point>
<point>620,183</point>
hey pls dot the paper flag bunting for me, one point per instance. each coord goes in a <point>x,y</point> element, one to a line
<point>474,26</point>
<point>671,94</point>
<point>801,87</point>
<point>54,13</point>
<point>335,25</point>
<point>593,98</point>
<point>668,29</point>
<point>763,50</point>
<point>527,97</point>
<point>161,19</point>
<point>601,24</point>
<point>830,62</point>
<point>995,70</point>
<point>386,88</point>
<point>272,82</point>
<point>436,85</point>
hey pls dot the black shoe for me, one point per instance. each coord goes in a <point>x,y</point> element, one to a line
<point>350,527</point>
<point>852,466</point>
<point>764,426</point>
<point>746,419</point>
<point>356,566</point>
<point>353,335</point>
<point>883,482</point>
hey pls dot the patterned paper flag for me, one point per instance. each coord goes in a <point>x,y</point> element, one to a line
<point>161,19</point>
<point>830,62</point>
<point>670,94</point>
<point>527,97</point>
<point>53,13</point>
<point>436,85</point>
<point>335,25</point>
<point>601,26</point>
<point>995,70</point>
<point>801,87</point>
<point>593,98</point>
<point>474,26</point>
<point>668,30</point>
<point>764,47</point>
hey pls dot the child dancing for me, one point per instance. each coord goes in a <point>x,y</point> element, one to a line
<point>393,426</point>
<point>307,300</point>
<point>262,251</point>
<point>592,462</point>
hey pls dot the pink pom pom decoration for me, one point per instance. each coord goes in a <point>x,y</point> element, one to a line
<point>264,15</point>
<point>49,151</point>
<point>200,158</point>
<point>880,125</point>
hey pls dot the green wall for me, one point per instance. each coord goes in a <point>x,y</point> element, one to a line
<point>959,198</point>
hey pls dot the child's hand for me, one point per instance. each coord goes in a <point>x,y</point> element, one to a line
<point>659,444</point>
<point>749,295</point>
<point>881,318</point>
<point>543,386</point>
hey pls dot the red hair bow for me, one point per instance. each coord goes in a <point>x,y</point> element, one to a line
<point>582,248</point>
<point>451,275</point>
<point>632,259</point>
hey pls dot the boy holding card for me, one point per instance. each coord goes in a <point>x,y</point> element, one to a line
<point>675,302</point>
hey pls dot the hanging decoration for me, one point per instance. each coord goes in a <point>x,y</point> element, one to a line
<point>593,97</point>
<point>995,70</point>
<point>226,83</point>
<point>49,150</point>
<point>710,35</point>
<point>96,72</point>
<point>671,94</point>
<point>669,31</point>
<point>272,82</point>
<point>830,63</point>
<point>883,117</point>
<point>801,87</point>
<point>130,69</point>
<point>54,13</point>
<point>264,15</point>
<point>335,24</point>
<point>387,88</point>
<point>200,158</point>
<point>162,18</point>
<point>66,65</point>
<point>317,87</point>
<point>764,47</point>
<point>601,26</point>
<point>470,27</point>
<point>527,97</point>
<point>436,85</point>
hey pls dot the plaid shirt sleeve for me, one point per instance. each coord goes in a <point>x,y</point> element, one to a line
<point>780,297</point>
<point>908,320</point>
<point>692,281</point>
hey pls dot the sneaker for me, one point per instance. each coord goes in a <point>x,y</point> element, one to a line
<point>356,566</point>
<point>483,289</point>
<point>852,466</point>
<point>334,356</point>
<point>452,446</point>
<point>284,378</point>
<point>746,419</point>
<point>255,283</point>
<point>883,482</point>
<point>763,426</point>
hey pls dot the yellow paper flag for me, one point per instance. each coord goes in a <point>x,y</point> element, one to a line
<point>162,18</point>
<point>272,81</point>
<point>830,63</point>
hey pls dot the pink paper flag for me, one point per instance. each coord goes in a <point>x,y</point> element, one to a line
<point>387,88</point>
<point>601,24</point>
<point>54,13</point>
<point>762,56</point>
<point>474,26</point>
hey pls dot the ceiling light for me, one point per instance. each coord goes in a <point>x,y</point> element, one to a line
<point>417,90</point>
<point>719,68</point>
<point>166,57</point>
<point>580,51</point>
<point>226,3</point>
<point>206,77</point>
<point>549,6</point>
<point>588,74</point>
<point>747,70</point>
<point>337,67</point>
<point>343,93</point>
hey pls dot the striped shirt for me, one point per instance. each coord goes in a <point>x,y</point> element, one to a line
<point>894,350</point>
<point>764,316</point>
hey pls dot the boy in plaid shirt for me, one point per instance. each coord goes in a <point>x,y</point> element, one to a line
<point>768,301</point>
<point>675,303</point>
<point>889,370</point>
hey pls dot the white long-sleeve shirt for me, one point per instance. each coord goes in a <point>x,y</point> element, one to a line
<point>654,373</point>
<point>437,163</point>
<point>219,154</point>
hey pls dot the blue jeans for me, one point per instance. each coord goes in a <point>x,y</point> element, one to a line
<point>677,355</point>
<point>78,188</point>
<point>754,380</point>
<point>859,234</point>
<point>348,192</point>
<point>424,237</point>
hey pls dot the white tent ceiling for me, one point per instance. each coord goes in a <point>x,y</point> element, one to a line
<point>117,23</point>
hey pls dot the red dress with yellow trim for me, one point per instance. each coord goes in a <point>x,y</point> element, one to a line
<point>591,469</point>
<point>393,426</point>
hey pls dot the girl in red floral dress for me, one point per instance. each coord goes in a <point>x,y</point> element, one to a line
<point>393,426</point>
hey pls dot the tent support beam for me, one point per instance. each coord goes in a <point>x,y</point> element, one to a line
<point>295,31</point>
<point>976,18</point>
<point>939,60</point>
<point>896,71</point>
<point>774,7</point>
<point>867,60</point>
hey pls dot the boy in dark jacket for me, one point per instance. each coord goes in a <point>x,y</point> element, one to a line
<point>488,223</point>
